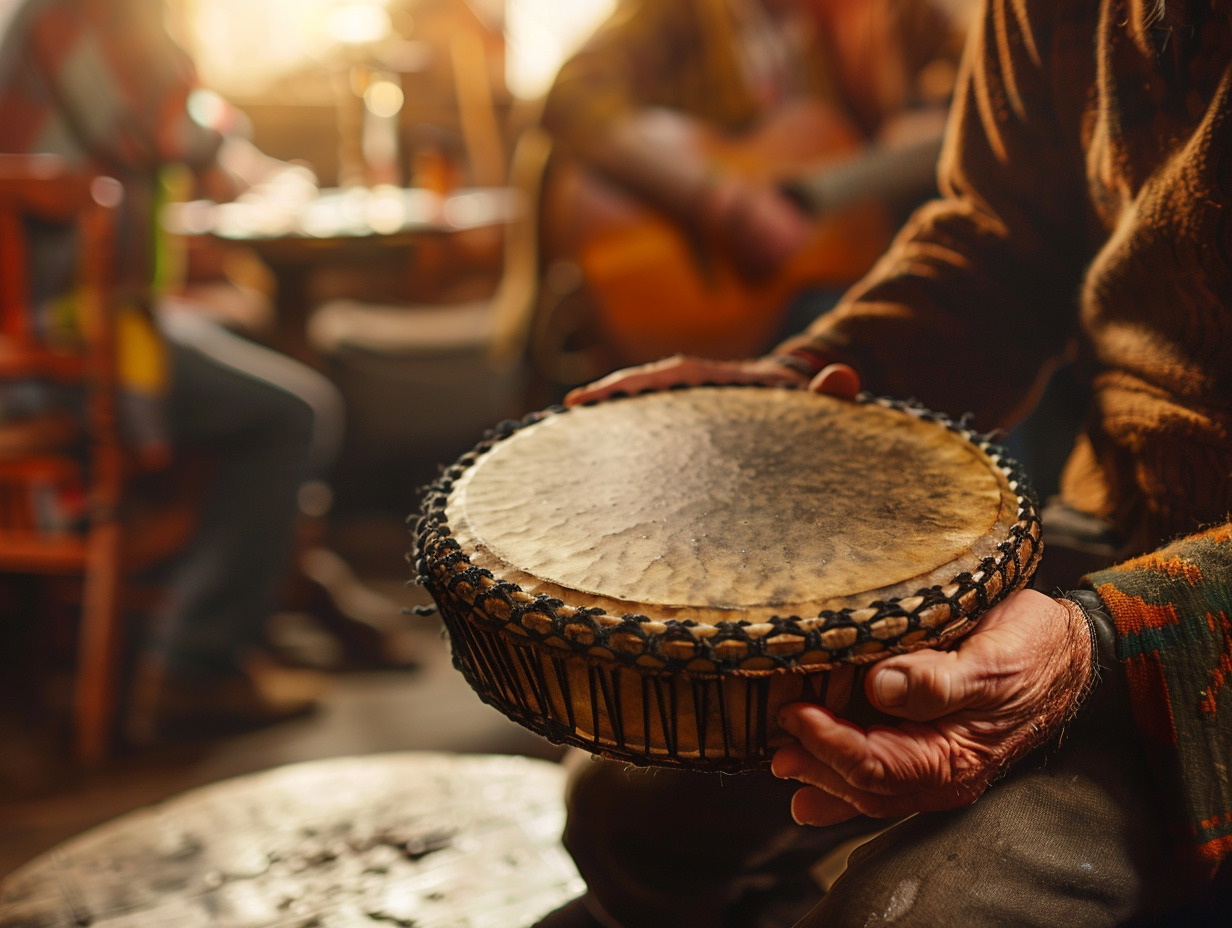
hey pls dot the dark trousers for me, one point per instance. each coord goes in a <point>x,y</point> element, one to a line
<point>270,424</point>
<point>1074,836</point>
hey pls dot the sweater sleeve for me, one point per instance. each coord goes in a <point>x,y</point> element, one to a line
<point>1171,609</point>
<point>978,292</point>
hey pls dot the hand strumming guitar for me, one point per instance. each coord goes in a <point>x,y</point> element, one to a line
<point>755,225</point>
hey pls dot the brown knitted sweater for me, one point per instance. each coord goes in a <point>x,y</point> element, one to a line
<point>1089,182</point>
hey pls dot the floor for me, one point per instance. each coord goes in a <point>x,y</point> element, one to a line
<point>45,799</point>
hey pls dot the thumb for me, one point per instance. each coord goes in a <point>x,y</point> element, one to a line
<point>922,686</point>
<point>839,380</point>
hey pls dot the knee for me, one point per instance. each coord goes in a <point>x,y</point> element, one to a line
<point>327,411</point>
<point>310,412</point>
<point>291,421</point>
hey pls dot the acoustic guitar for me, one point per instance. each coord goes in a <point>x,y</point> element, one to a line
<point>657,290</point>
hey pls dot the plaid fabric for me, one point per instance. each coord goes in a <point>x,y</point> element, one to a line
<point>1173,612</point>
<point>1086,203</point>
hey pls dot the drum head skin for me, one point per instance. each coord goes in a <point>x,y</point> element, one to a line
<point>728,530</point>
<point>730,504</point>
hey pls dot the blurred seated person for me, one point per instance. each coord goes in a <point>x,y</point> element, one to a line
<point>744,121</point>
<point>101,84</point>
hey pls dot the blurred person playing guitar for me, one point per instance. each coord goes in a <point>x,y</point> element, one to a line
<point>717,159</point>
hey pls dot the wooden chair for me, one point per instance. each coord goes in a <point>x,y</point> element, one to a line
<point>63,507</point>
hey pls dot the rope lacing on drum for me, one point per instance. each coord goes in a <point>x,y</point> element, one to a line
<point>446,571</point>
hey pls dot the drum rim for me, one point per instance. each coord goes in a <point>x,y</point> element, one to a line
<point>931,617</point>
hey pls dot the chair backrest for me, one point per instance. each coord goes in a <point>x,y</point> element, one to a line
<point>515,298</point>
<point>481,133</point>
<point>43,202</point>
<point>39,193</point>
<point>41,189</point>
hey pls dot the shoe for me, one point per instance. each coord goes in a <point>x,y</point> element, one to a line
<point>208,703</point>
<point>368,627</point>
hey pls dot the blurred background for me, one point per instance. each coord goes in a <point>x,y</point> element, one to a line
<point>379,97</point>
<point>405,256</point>
<point>405,115</point>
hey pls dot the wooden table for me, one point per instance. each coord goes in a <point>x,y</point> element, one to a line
<point>412,838</point>
<point>299,231</point>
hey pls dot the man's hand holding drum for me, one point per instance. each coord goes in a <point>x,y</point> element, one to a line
<point>968,712</point>
<point>681,370</point>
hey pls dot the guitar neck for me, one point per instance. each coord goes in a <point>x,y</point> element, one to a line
<point>898,174</point>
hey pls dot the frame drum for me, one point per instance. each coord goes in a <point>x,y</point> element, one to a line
<point>652,577</point>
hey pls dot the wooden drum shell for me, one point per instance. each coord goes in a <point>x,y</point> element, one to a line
<point>716,721</point>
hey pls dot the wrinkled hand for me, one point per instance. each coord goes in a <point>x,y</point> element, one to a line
<point>759,227</point>
<point>970,712</point>
<point>681,370</point>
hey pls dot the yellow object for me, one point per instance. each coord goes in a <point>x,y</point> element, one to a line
<point>141,353</point>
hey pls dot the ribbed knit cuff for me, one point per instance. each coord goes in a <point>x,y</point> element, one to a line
<point>1106,705</point>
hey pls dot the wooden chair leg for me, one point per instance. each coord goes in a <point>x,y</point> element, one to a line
<point>99,647</point>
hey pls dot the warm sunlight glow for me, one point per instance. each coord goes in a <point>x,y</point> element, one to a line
<point>383,98</point>
<point>207,108</point>
<point>542,34</point>
<point>244,46</point>
<point>358,23</point>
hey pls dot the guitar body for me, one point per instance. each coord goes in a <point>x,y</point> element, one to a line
<point>657,291</point>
